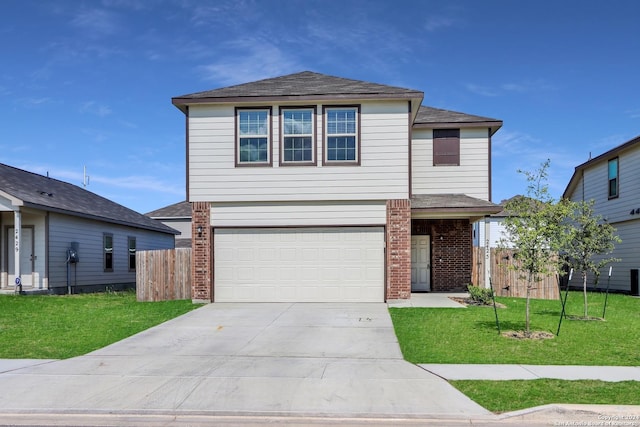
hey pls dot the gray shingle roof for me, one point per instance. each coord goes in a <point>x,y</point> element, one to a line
<point>437,117</point>
<point>49,194</point>
<point>304,84</point>
<point>453,203</point>
<point>176,210</point>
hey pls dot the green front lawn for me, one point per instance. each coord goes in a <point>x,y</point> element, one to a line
<point>469,335</point>
<point>453,335</point>
<point>59,327</point>
<point>507,396</point>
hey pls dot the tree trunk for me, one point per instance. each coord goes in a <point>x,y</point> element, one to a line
<point>527,333</point>
<point>584,291</point>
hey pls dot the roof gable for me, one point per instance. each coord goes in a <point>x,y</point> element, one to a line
<point>615,151</point>
<point>176,210</point>
<point>434,118</point>
<point>299,86</point>
<point>49,194</point>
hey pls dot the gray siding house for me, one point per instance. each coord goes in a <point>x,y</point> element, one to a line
<point>56,237</point>
<point>612,180</point>
<point>177,216</point>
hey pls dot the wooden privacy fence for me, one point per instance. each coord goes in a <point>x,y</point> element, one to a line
<point>163,275</point>
<point>505,280</point>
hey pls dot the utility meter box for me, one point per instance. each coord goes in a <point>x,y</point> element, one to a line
<point>72,253</point>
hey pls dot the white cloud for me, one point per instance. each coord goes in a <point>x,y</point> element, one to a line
<point>96,22</point>
<point>93,107</point>
<point>435,23</point>
<point>258,59</point>
<point>481,90</point>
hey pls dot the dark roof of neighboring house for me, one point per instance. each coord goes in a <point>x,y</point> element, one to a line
<point>454,204</point>
<point>429,117</point>
<point>176,210</point>
<point>607,155</point>
<point>298,86</point>
<point>49,194</point>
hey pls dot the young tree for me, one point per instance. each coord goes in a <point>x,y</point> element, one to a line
<point>533,227</point>
<point>589,239</point>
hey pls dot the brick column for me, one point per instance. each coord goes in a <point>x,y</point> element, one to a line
<point>398,249</point>
<point>201,253</point>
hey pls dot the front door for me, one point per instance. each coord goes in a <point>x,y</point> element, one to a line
<point>26,257</point>
<point>420,264</point>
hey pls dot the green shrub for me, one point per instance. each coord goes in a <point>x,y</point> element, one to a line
<point>480,295</point>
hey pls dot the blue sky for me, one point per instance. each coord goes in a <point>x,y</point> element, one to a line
<point>89,83</point>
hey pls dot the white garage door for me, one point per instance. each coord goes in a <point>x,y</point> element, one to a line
<point>299,264</point>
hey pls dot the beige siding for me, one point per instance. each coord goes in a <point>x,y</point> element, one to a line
<point>65,229</point>
<point>471,177</point>
<point>593,185</point>
<point>382,174</point>
<point>297,214</point>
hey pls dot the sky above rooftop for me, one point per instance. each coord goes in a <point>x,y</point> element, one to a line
<point>89,83</point>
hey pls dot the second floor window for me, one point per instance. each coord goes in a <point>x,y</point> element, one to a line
<point>298,136</point>
<point>253,137</point>
<point>341,130</point>
<point>613,178</point>
<point>446,147</point>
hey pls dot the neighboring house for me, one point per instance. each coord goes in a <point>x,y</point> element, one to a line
<point>612,180</point>
<point>497,231</point>
<point>55,235</point>
<point>177,216</point>
<point>309,187</point>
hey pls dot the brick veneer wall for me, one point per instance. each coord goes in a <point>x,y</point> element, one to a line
<point>398,249</point>
<point>201,253</point>
<point>450,252</point>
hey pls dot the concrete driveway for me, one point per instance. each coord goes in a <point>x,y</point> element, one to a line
<point>246,359</point>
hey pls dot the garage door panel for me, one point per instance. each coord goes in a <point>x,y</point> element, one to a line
<point>315,264</point>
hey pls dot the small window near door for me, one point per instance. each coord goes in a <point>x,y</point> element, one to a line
<point>613,178</point>
<point>107,240</point>
<point>446,147</point>
<point>132,253</point>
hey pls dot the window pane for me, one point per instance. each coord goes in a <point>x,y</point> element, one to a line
<point>132,253</point>
<point>298,122</point>
<point>341,121</point>
<point>341,148</point>
<point>108,252</point>
<point>253,122</point>
<point>613,178</point>
<point>253,150</point>
<point>298,149</point>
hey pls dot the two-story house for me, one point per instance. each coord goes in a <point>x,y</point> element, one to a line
<point>612,180</point>
<point>309,187</point>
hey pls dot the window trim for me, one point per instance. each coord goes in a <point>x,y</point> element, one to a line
<point>617,179</point>
<point>433,146</point>
<point>269,161</point>
<point>135,249</point>
<point>325,135</point>
<point>314,138</point>
<point>105,252</point>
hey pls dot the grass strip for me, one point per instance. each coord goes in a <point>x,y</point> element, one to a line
<point>469,335</point>
<point>59,327</point>
<point>507,396</point>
